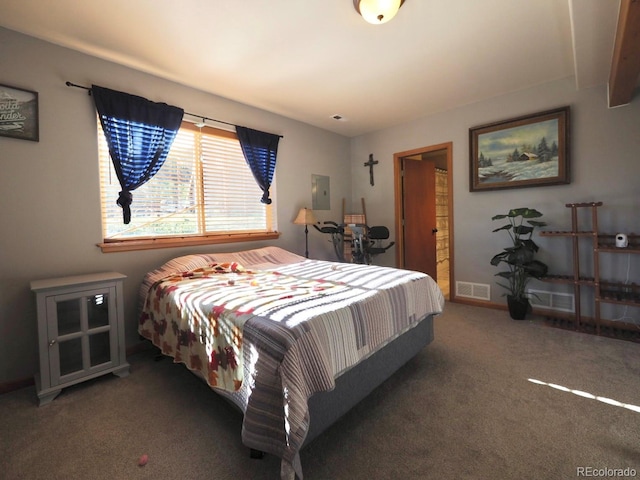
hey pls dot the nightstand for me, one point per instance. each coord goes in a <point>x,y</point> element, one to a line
<point>80,330</point>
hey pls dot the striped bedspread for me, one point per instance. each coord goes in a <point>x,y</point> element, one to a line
<point>268,328</point>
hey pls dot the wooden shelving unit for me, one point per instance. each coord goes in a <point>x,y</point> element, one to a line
<point>609,291</point>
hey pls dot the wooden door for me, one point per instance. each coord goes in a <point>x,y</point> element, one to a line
<point>419,216</point>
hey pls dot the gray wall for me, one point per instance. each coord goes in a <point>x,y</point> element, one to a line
<point>605,166</point>
<point>50,212</point>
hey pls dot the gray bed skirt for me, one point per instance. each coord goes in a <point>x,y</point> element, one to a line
<point>352,386</point>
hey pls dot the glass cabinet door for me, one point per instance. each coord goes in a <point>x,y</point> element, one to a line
<point>98,318</point>
<point>81,339</point>
<point>68,324</point>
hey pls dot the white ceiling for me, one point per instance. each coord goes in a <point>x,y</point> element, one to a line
<point>312,59</point>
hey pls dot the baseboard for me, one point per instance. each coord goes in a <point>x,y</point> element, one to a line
<point>566,321</point>
<point>479,303</point>
<point>27,382</point>
<point>607,328</point>
<point>16,385</point>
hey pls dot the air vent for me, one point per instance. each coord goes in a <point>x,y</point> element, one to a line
<point>479,291</point>
<point>563,302</point>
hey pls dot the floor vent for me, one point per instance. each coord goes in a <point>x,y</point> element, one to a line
<point>479,291</point>
<point>563,302</point>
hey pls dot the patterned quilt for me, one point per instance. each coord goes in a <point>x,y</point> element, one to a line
<point>268,328</point>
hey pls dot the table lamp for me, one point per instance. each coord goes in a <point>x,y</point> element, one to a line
<point>306,217</point>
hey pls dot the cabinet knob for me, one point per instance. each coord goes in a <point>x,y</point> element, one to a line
<point>52,342</point>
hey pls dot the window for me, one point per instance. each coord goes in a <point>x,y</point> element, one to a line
<point>204,193</point>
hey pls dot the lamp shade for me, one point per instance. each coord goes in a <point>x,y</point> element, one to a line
<point>305,217</point>
<point>377,12</point>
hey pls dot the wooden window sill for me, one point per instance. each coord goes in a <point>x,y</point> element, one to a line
<point>110,246</point>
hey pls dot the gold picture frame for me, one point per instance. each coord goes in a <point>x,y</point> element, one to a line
<point>528,151</point>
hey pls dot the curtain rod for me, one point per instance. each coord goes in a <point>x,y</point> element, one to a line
<point>69,84</point>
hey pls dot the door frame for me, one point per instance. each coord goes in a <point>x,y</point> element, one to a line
<point>399,196</point>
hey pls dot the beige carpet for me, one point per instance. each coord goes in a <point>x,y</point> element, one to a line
<point>464,408</point>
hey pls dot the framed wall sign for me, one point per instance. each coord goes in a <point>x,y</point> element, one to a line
<point>528,151</point>
<point>18,113</point>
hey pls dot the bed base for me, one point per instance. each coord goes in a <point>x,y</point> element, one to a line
<point>325,408</point>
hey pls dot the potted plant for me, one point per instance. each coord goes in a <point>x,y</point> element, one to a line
<point>519,258</point>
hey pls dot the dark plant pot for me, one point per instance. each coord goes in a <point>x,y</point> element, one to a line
<point>518,307</point>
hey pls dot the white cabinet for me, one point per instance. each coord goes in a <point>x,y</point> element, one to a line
<point>80,330</point>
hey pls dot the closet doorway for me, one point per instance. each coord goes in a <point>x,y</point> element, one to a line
<point>423,180</point>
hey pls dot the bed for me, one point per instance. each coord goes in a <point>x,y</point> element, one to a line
<point>292,342</point>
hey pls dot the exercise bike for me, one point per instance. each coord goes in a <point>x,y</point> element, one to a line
<point>365,241</point>
<point>337,237</point>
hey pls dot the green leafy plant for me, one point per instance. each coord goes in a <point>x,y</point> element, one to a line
<point>519,257</point>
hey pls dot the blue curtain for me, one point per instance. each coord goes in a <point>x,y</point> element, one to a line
<point>260,150</point>
<point>139,134</point>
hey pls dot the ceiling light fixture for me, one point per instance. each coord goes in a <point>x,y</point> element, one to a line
<point>377,12</point>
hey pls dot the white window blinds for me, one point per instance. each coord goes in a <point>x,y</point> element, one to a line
<point>205,187</point>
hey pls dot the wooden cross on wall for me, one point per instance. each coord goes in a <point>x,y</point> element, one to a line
<point>370,164</point>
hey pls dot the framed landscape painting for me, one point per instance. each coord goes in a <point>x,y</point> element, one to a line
<point>528,151</point>
<point>18,113</point>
